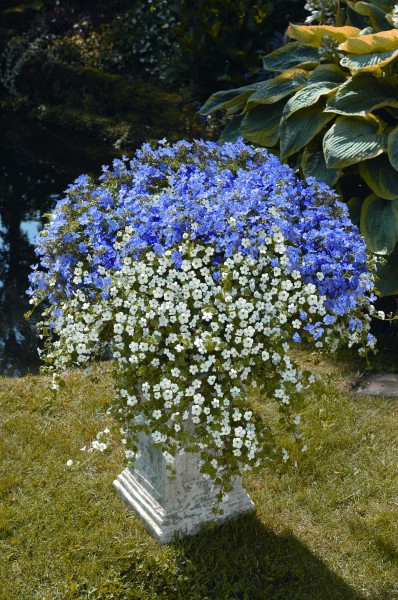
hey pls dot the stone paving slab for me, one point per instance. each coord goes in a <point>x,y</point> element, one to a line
<point>379,384</point>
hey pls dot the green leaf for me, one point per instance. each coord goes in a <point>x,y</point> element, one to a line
<point>361,94</point>
<point>384,4</point>
<point>280,86</point>
<point>380,176</point>
<point>235,99</point>
<point>351,140</point>
<point>392,147</point>
<point>307,97</point>
<point>379,224</point>
<point>313,164</point>
<point>387,274</point>
<point>232,130</point>
<point>300,128</point>
<point>376,16</point>
<point>331,73</point>
<point>370,62</point>
<point>354,207</point>
<point>261,125</point>
<point>289,56</point>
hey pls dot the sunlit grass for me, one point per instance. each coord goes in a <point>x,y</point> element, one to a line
<point>326,530</point>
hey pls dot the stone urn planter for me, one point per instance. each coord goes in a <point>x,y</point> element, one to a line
<point>171,508</point>
<point>200,267</point>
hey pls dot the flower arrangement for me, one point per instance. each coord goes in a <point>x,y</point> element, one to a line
<point>200,266</point>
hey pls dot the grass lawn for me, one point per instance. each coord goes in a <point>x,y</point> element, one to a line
<point>328,530</point>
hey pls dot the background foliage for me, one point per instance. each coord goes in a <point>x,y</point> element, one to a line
<point>203,44</point>
<point>331,111</point>
<point>220,40</point>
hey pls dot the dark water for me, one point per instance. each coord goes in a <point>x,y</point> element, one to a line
<point>36,166</point>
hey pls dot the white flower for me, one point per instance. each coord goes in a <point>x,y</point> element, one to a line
<point>187,340</point>
<point>118,328</point>
<point>237,415</point>
<point>96,445</point>
<point>239,431</point>
<point>69,462</point>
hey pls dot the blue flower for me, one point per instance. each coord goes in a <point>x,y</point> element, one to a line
<point>230,196</point>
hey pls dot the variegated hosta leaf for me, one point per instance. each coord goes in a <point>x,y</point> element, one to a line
<point>380,176</point>
<point>361,94</point>
<point>300,128</point>
<point>307,96</point>
<point>353,139</point>
<point>384,4</point>
<point>387,274</point>
<point>225,99</point>
<point>289,56</point>
<point>392,147</point>
<point>261,125</point>
<point>312,35</point>
<point>383,41</point>
<point>354,208</point>
<point>379,224</point>
<point>313,163</point>
<point>376,15</point>
<point>327,72</point>
<point>275,89</point>
<point>368,62</point>
<point>232,131</point>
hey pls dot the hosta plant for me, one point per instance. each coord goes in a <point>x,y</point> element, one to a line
<point>200,268</point>
<point>331,110</point>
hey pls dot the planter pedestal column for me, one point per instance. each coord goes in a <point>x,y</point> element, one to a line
<point>173,508</point>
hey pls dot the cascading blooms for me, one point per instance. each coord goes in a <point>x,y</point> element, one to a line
<point>200,266</point>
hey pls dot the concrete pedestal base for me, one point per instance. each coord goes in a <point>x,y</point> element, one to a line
<point>173,508</point>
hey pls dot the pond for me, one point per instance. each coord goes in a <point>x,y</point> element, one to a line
<point>36,166</point>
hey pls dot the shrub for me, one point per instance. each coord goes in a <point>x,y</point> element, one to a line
<point>182,42</point>
<point>219,40</point>
<point>331,111</point>
<point>200,267</point>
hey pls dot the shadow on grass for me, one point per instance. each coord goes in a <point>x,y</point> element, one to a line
<point>241,560</point>
<point>246,560</point>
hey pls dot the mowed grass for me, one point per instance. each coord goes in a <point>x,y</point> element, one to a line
<point>326,530</point>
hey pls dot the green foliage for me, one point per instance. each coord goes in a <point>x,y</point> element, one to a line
<point>331,110</point>
<point>196,43</point>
